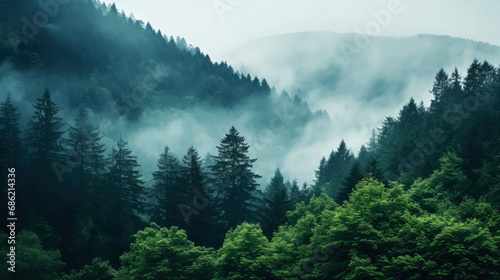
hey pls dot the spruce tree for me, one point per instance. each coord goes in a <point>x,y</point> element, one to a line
<point>321,177</point>
<point>191,171</point>
<point>84,144</point>
<point>339,164</point>
<point>10,145</point>
<point>276,204</point>
<point>363,157</point>
<point>43,192</point>
<point>10,139</point>
<point>373,171</point>
<point>203,226</point>
<point>168,192</point>
<point>44,133</point>
<point>234,181</point>
<point>295,192</point>
<point>350,183</point>
<point>439,89</point>
<point>124,185</point>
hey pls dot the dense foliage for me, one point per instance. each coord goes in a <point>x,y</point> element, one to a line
<point>80,207</point>
<point>419,201</point>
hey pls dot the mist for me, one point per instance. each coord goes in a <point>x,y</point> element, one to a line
<point>357,86</point>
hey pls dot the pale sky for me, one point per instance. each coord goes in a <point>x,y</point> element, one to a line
<point>238,21</point>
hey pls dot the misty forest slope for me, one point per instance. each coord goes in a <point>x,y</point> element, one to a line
<point>369,67</point>
<point>419,200</point>
<point>136,79</point>
<point>357,79</point>
<point>110,54</point>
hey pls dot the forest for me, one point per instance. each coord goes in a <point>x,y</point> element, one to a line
<point>401,209</point>
<point>420,200</point>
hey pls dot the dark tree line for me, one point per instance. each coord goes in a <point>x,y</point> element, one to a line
<point>462,118</point>
<point>88,203</point>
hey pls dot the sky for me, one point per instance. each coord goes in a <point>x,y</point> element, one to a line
<point>220,26</point>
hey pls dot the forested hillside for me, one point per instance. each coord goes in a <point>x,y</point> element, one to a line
<point>427,181</point>
<point>132,77</point>
<point>420,200</point>
<point>114,57</point>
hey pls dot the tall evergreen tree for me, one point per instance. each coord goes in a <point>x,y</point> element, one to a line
<point>10,139</point>
<point>441,85</point>
<point>339,164</point>
<point>363,157</point>
<point>373,170</point>
<point>43,150</point>
<point>203,226</point>
<point>192,174</point>
<point>321,177</point>
<point>350,183</point>
<point>168,192</point>
<point>84,144</point>
<point>10,145</point>
<point>234,181</point>
<point>276,204</point>
<point>295,192</point>
<point>124,185</point>
<point>44,133</point>
<point>456,89</point>
<point>473,81</point>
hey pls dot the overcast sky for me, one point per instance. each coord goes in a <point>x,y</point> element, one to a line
<point>235,22</point>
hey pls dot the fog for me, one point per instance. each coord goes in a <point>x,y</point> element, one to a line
<point>269,132</point>
<point>218,31</point>
<point>350,82</point>
<point>357,86</point>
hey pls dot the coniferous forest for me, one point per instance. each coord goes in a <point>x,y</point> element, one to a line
<point>420,200</point>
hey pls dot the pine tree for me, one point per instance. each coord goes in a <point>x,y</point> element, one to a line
<point>350,183</point>
<point>44,133</point>
<point>441,85</point>
<point>276,204</point>
<point>84,144</point>
<point>203,225</point>
<point>10,139</point>
<point>44,150</point>
<point>306,193</point>
<point>10,150</point>
<point>473,82</point>
<point>373,171</point>
<point>234,181</point>
<point>456,90</point>
<point>124,185</point>
<point>168,192</point>
<point>191,172</point>
<point>363,157</point>
<point>295,192</point>
<point>340,165</point>
<point>408,116</point>
<point>321,177</point>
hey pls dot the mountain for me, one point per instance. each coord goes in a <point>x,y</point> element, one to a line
<point>138,83</point>
<point>357,79</point>
<point>329,62</point>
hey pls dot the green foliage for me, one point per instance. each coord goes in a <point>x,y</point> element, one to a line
<point>32,261</point>
<point>446,226</point>
<point>447,183</point>
<point>97,270</point>
<point>235,182</point>
<point>277,203</point>
<point>45,131</point>
<point>167,192</point>
<point>246,254</point>
<point>381,233</point>
<point>161,254</point>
